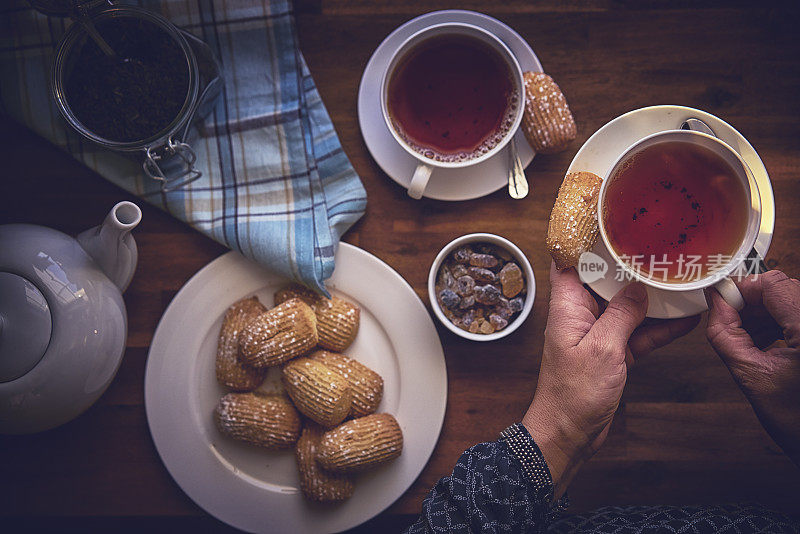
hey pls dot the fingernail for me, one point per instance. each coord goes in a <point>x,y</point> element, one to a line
<point>636,291</point>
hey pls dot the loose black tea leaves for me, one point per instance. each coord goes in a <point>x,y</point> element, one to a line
<point>138,93</point>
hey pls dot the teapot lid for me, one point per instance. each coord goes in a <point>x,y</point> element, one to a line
<point>25,326</point>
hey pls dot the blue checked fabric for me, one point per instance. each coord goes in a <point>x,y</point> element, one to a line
<point>276,185</point>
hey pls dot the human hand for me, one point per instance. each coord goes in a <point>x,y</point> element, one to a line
<point>770,379</point>
<point>584,368</point>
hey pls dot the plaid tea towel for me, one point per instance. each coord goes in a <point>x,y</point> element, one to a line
<point>276,185</point>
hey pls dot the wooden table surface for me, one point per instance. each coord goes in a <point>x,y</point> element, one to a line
<point>684,434</point>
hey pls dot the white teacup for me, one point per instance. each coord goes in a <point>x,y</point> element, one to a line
<point>422,173</point>
<point>720,278</point>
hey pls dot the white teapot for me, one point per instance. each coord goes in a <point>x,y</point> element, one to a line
<point>63,323</point>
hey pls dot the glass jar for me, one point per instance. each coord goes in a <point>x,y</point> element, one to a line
<point>163,150</point>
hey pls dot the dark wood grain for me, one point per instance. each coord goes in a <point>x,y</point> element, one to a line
<point>685,433</point>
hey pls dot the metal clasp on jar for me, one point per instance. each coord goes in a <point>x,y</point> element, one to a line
<point>186,157</point>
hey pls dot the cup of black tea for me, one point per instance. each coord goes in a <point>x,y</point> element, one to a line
<point>679,210</point>
<point>452,96</point>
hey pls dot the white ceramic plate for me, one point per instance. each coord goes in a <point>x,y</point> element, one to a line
<point>606,144</point>
<point>445,184</point>
<point>257,490</point>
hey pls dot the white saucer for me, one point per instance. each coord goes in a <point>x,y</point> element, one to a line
<point>445,184</point>
<point>603,147</point>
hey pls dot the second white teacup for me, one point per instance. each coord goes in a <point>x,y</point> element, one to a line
<point>720,276</point>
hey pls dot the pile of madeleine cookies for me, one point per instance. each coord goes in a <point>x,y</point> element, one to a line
<point>306,335</point>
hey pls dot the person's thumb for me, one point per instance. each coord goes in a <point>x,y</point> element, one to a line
<point>624,313</point>
<point>725,333</point>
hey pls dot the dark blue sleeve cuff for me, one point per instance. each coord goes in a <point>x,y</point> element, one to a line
<point>532,464</point>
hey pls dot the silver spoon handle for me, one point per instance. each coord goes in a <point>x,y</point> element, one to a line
<point>517,184</point>
<point>96,37</point>
<point>698,126</point>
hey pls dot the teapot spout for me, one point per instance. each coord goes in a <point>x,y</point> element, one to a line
<point>111,244</point>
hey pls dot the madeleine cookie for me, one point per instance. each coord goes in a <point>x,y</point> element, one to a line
<point>284,332</point>
<point>230,371</point>
<point>361,444</point>
<point>269,421</point>
<point>317,484</point>
<point>547,122</point>
<point>365,384</point>
<point>573,221</point>
<point>296,291</point>
<point>319,392</point>
<point>337,323</point>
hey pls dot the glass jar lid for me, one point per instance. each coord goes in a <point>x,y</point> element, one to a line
<point>134,98</point>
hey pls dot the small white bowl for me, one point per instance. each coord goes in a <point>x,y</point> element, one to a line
<point>522,261</point>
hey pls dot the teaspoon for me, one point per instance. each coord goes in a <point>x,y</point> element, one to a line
<point>517,184</point>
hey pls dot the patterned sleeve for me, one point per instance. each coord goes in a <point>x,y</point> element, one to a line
<point>500,486</point>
